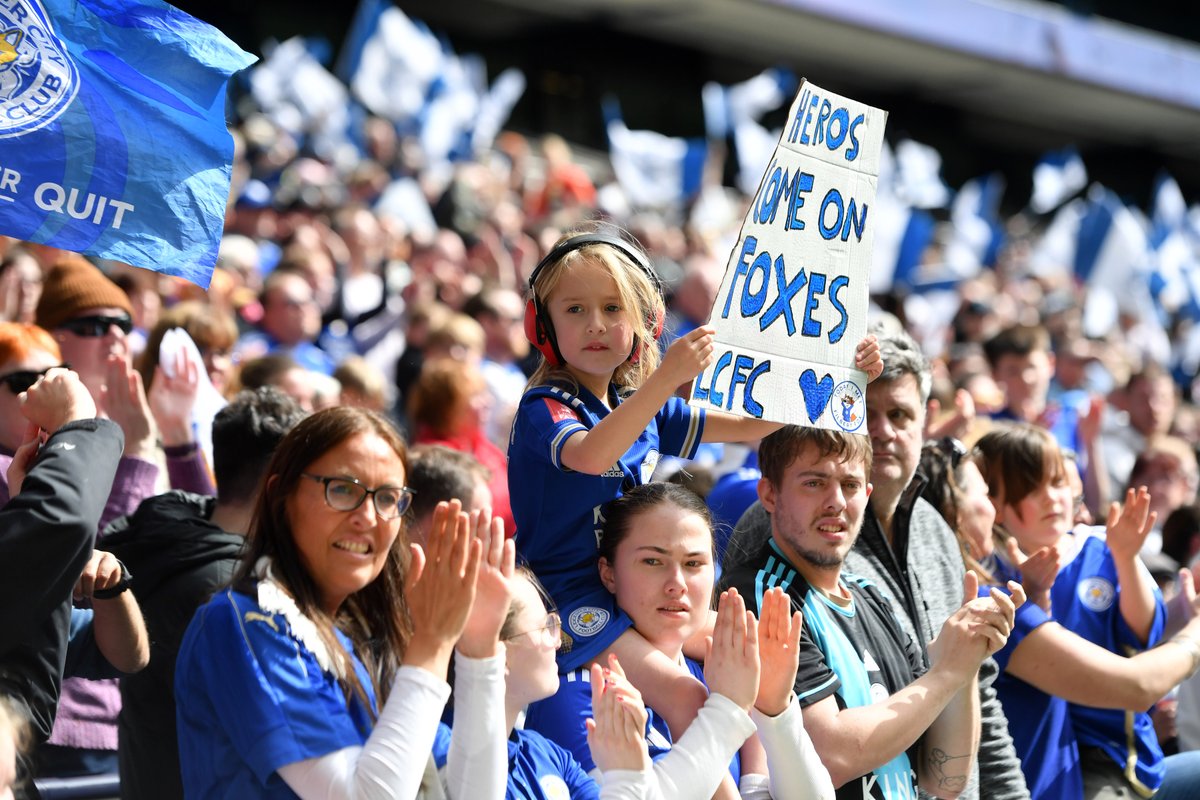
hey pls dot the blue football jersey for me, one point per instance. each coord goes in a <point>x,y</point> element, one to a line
<point>559,513</point>
<point>1085,600</point>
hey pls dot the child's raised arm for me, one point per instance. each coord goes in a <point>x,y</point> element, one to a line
<point>1127,527</point>
<point>594,451</point>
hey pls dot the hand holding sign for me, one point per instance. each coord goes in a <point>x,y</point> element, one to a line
<point>790,317</point>
<point>688,355</point>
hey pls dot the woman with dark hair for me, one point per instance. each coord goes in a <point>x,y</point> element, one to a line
<point>656,557</point>
<point>1048,669</point>
<point>321,671</point>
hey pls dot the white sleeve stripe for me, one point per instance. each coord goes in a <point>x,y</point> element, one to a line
<point>689,442</point>
<point>556,443</point>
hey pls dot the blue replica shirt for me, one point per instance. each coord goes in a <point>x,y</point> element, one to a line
<point>251,698</point>
<point>1086,601</point>
<point>562,718</point>
<point>731,495</point>
<point>538,769</point>
<point>558,512</point>
<point>857,654</point>
<point>1040,723</point>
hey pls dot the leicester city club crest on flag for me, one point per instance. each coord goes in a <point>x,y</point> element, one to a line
<point>37,77</point>
<point>113,139</point>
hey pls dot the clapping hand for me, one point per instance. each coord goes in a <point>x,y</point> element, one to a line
<point>440,587</point>
<point>731,665</point>
<point>1038,571</point>
<point>493,586</point>
<point>124,402</point>
<point>1128,525</point>
<point>778,652</point>
<point>616,733</point>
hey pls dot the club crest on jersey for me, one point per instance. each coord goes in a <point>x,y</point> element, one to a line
<point>587,620</point>
<point>1096,594</point>
<point>646,471</point>
<point>554,787</point>
<point>38,79</point>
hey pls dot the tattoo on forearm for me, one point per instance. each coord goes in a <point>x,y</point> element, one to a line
<point>942,766</point>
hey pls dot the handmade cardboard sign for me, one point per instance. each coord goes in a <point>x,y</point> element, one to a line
<point>793,304</point>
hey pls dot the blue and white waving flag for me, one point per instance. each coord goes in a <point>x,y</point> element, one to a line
<point>1112,257</point>
<point>725,107</point>
<point>976,230</point>
<point>1168,209</point>
<point>390,61</point>
<point>1057,178</point>
<point>112,116</point>
<point>299,95</point>
<point>736,110</point>
<point>654,170</point>
<point>917,179</point>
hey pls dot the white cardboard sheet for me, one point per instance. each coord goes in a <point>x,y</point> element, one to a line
<point>793,303</point>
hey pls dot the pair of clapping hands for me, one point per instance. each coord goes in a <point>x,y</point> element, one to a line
<point>749,661</point>
<point>466,562</point>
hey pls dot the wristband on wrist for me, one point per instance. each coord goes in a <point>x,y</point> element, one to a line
<point>113,591</point>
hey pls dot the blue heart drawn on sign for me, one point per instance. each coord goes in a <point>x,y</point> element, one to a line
<point>816,393</point>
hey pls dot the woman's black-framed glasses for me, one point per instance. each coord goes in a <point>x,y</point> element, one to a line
<point>22,379</point>
<point>347,494</point>
<point>550,633</point>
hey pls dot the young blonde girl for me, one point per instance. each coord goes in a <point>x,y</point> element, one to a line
<point>597,415</point>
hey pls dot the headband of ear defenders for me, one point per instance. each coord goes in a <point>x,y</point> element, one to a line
<point>539,330</point>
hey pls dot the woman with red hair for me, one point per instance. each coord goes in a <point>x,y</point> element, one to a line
<point>448,405</point>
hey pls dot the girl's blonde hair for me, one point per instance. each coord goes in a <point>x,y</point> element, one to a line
<point>637,291</point>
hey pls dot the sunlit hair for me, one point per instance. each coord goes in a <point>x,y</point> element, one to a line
<point>636,291</point>
<point>19,339</point>
<point>508,629</point>
<point>943,473</point>
<point>777,451</point>
<point>375,618</point>
<point>439,391</point>
<point>621,515</point>
<point>1018,459</point>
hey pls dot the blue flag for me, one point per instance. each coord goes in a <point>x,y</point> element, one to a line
<point>112,131</point>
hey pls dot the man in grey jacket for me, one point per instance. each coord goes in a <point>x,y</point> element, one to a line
<point>907,550</point>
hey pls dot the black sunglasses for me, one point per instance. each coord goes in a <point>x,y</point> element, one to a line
<point>97,326</point>
<point>22,379</point>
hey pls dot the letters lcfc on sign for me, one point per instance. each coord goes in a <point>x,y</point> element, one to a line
<point>792,306</point>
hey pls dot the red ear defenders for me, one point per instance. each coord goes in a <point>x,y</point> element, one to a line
<point>539,330</point>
